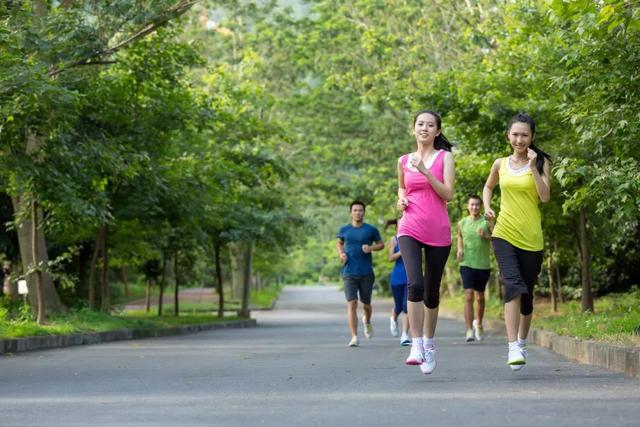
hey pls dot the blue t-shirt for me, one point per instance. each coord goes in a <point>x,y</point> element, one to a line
<point>358,263</point>
<point>398,275</point>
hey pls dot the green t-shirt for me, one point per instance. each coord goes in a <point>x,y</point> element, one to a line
<point>475,249</point>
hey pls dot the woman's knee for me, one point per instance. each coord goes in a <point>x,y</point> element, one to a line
<point>415,293</point>
<point>526,304</point>
<point>432,301</point>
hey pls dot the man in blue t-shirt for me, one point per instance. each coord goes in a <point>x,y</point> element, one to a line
<point>356,241</point>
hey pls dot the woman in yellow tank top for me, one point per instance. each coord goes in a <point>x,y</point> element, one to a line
<point>517,238</point>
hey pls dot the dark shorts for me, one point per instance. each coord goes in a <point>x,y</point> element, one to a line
<point>358,285</point>
<point>519,271</point>
<point>474,278</point>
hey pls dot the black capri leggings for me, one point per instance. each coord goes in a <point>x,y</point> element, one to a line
<point>519,271</point>
<point>424,285</point>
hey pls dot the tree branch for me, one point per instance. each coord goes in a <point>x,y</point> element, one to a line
<point>178,9</point>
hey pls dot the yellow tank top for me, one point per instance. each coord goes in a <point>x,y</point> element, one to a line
<point>519,221</point>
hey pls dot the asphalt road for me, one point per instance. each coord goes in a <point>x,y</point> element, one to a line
<point>296,369</point>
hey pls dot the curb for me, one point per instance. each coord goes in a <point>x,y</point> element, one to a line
<point>625,359</point>
<point>18,345</point>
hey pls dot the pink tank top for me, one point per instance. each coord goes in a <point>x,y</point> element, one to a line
<point>426,218</point>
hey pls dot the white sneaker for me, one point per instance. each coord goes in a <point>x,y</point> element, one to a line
<point>429,364</point>
<point>368,329</point>
<point>405,340</point>
<point>416,357</point>
<point>393,327</point>
<point>478,330</point>
<point>515,358</point>
<point>469,336</point>
<point>523,350</point>
<point>354,342</point>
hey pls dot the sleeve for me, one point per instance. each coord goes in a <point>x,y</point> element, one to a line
<point>341,232</point>
<point>376,235</point>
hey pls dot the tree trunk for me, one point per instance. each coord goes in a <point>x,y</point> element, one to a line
<point>552,291</point>
<point>219,287</point>
<point>559,284</point>
<point>162,283</point>
<point>10,286</point>
<point>92,272</point>
<point>557,273</point>
<point>125,281</point>
<point>177,283</point>
<point>105,297</point>
<point>585,263</point>
<point>26,240</point>
<point>147,295</point>
<point>41,317</point>
<point>237,251</point>
<point>248,259</point>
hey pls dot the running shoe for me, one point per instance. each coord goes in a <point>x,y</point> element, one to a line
<point>354,342</point>
<point>478,330</point>
<point>416,357</point>
<point>368,329</point>
<point>405,340</point>
<point>469,337</point>
<point>523,350</point>
<point>429,364</point>
<point>393,327</point>
<point>515,358</point>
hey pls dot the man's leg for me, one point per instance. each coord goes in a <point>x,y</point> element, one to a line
<point>367,312</point>
<point>366,290</point>
<point>352,317</point>
<point>468,308</point>
<point>479,307</point>
<point>351,295</point>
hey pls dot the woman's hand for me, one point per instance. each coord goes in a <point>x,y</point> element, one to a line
<point>489,214</point>
<point>459,254</point>
<point>533,157</point>
<point>402,203</point>
<point>416,162</point>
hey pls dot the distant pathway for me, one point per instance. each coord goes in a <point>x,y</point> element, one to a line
<point>295,369</point>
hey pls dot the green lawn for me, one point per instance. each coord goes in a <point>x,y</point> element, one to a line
<point>21,323</point>
<point>91,321</point>
<point>616,319</point>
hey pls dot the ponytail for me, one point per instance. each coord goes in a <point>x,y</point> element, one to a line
<point>540,160</point>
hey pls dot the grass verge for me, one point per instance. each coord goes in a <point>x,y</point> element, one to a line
<point>616,317</point>
<point>91,321</point>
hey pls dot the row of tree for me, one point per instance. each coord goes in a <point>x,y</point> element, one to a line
<point>175,130</point>
<point>123,144</point>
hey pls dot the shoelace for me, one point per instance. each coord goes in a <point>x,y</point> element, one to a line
<point>429,355</point>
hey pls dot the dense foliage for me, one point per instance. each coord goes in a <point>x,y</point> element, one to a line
<point>134,131</point>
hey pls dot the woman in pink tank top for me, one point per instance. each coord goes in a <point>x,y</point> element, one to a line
<point>425,183</point>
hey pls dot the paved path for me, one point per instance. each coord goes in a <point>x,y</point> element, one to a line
<point>295,369</point>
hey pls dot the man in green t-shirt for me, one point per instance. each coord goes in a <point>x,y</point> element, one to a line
<point>474,236</point>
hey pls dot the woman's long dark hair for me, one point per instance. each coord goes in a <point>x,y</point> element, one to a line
<point>525,118</point>
<point>441,142</point>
